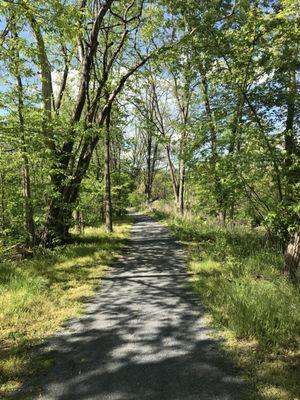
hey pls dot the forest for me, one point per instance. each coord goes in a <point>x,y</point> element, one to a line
<point>185,111</point>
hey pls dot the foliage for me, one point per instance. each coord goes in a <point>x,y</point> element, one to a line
<point>109,104</point>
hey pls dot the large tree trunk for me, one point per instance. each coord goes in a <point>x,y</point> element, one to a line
<point>107,197</point>
<point>59,217</point>
<point>59,220</point>
<point>62,204</point>
<point>72,164</point>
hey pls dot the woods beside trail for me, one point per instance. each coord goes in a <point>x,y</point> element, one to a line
<point>185,110</point>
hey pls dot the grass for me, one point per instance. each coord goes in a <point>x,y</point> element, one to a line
<point>237,274</point>
<point>38,295</point>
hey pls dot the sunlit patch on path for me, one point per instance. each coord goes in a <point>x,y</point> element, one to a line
<point>143,335</point>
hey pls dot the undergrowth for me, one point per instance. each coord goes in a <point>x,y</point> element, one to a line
<point>37,295</point>
<point>238,276</point>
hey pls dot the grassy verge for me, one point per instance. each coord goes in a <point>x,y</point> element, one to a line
<point>37,295</point>
<point>238,277</point>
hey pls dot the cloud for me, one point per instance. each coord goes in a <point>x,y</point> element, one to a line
<point>72,87</point>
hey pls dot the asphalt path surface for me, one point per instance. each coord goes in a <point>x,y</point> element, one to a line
<point>143,336</point>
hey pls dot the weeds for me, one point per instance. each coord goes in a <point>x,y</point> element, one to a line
<point>237,274</point>
<point>37,295</point>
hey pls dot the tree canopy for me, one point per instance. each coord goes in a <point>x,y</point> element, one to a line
<point>109,104</point>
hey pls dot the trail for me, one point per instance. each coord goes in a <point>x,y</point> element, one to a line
<point>143,336</point>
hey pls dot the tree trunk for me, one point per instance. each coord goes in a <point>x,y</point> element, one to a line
<point>231,195</point>
<point>218,189</point>
<point>59,217</point>
<point>184,103</point>
<point>148,171</point>
<point>148,200</point>
<point>77,215</point>
<point>72,165</point>
<point>221,218</point>
<point>28,209</point>
<point>151,158</point>
<point>181,188</point>
<point>3,219</point>
<point>291,147</point>
<point>292,256</point>
<point>58,222</point>
<point>173,176</point>
<point>29,226</point>
<point>181,172</point>
<point>107,198</point>
<point>292,171</point>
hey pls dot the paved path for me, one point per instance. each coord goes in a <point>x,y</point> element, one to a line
<point>142,337</point>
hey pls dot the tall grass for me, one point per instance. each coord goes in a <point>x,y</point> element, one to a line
<point>37,295</point>
<point>238,276</point>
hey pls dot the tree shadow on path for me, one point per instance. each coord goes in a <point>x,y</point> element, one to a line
<point>143,336</point>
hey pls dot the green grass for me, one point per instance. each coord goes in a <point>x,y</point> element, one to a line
<point>38,295</point>
<point>237,275</point>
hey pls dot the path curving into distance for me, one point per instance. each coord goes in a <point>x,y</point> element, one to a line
<point>143,336</point>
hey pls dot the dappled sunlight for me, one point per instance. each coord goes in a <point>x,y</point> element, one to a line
<point>237,275</point>
<point>143,336</point>
<point>187,112</point>
<point>37,295</point>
